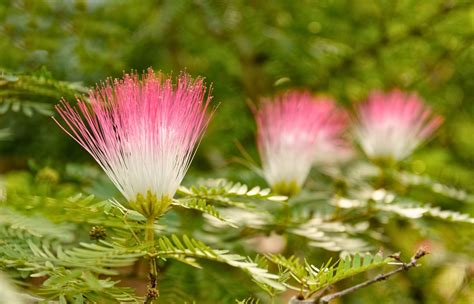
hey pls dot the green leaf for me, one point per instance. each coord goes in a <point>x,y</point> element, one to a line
<point>202,206</point>
<point>314,279</point>
<point>228,193</point>
<point>189,248</point>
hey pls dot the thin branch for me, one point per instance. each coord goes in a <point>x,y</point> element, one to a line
<point>405,267</point>
<point>319,293</point>
<point>152,292</point>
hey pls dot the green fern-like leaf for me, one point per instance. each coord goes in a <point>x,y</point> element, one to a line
<point>33,93</point>
<point>23,226</point>
<point>351,266</point>
<point>248,301</point>
<point>332,236</point>
<point>411,179</point>
<point>312,279</point>
<point>99,258</point>
<point>229,193</point>
<point>79,286</point>
<point>186,249</point>
<point>202,206</point>
<point>413,210</point>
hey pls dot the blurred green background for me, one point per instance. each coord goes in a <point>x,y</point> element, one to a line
<point>248,49</point>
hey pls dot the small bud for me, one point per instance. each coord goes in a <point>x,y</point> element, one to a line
<point>395,256</point>
<point>152,293</point>
<point>420,253</point>
<point>97,233</point>
<point>47,175</point>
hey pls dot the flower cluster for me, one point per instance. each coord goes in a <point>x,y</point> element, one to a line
<point>142,132</point>
<point>296,130</point>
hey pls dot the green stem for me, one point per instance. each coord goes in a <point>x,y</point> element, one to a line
<point>382,178</point>
<point>150,230</point>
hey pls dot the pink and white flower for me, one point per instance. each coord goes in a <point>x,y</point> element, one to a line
<point>142,132</point>
<point>391,125</point>
<point>288,131</point>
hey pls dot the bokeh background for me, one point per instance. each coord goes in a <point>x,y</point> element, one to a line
<point>249,49</point>
<point>246,50</point>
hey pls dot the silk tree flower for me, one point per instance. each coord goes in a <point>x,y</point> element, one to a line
<point>142,132</point>
<point>288,130</point>
<point>391,125</point>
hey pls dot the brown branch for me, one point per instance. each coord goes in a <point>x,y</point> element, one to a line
<point>405,267</point>
<point>152,292</point>
<point>319,293</point>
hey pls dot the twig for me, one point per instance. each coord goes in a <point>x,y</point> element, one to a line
<point>405,266</point>
<point>152,292</point>
<point>319,293</point>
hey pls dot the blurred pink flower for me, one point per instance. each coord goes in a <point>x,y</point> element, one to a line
<point>288,131</point>
<point>143,133</point>
<point>391,125</point>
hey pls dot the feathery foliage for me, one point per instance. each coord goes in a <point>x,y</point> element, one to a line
<point>35,93</point>
<point>312,279</point>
